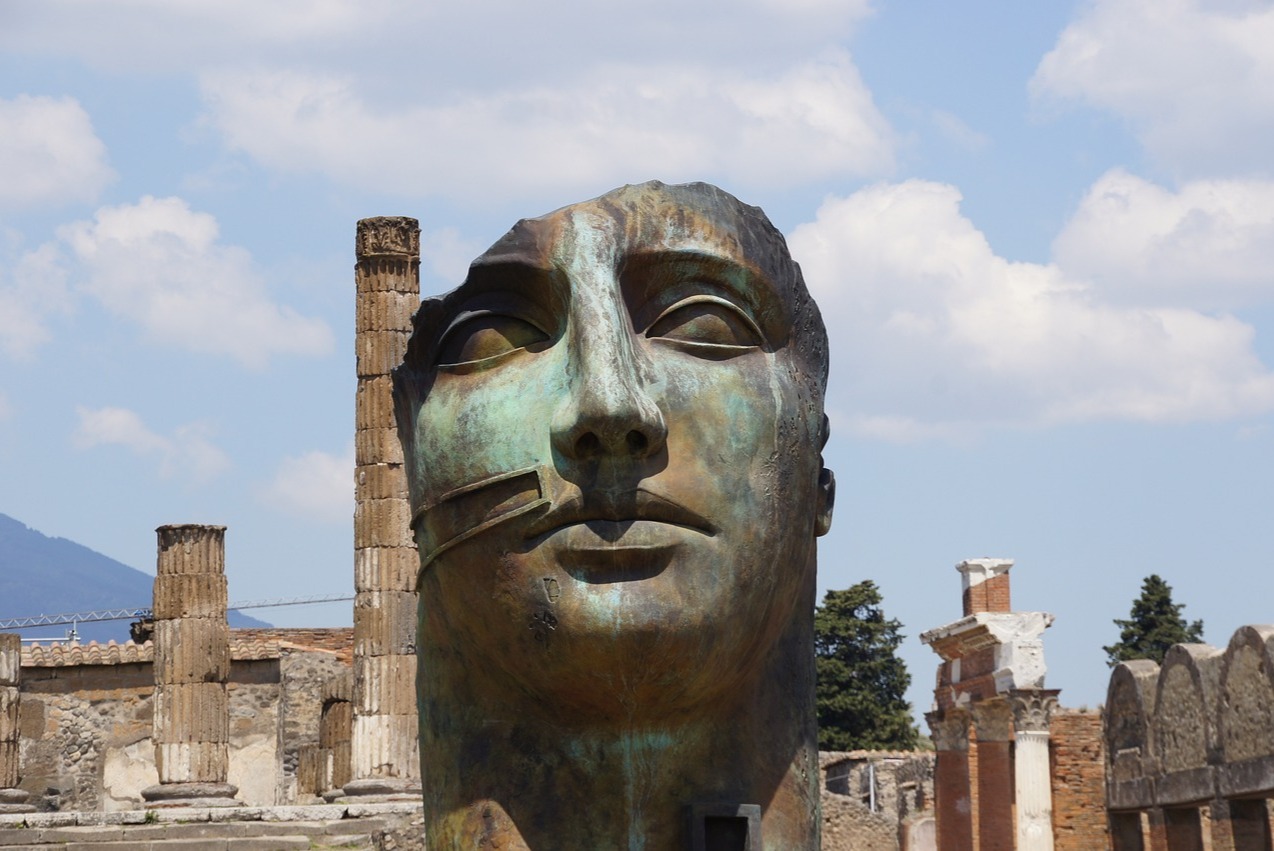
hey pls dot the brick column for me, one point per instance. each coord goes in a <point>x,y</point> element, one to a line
<point>1156,835</point>
<point>986,584</point>
<point>1241,825</point>
<point>12,799</point>
<point>192,664</point>
<point>993,724</point>
<point>1125,832</point>
<point>1183,829</point>
<point>384,749</point>
<point>1031,773</point>
<point>953,806</point>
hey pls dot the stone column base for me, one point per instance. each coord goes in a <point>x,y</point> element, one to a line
<point>15,801</point>
<point>167,795</point>
<point>376,790</point>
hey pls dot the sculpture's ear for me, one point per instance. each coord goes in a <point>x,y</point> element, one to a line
<point>826,487</point>
<point>826,499</point>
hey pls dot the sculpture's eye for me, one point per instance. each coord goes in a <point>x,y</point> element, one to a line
<point>486,336</point>
<point>707,325</point>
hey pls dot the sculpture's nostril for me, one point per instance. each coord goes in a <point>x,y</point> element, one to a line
<point>589,445</point>
<point>637,442</point>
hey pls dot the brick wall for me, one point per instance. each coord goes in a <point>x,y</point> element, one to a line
<point>1077,757</point>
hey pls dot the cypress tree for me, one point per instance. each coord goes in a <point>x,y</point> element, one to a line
<point>1153,626</point>
<point>860,696</point>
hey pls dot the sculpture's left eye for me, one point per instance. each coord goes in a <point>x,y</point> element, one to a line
<point>486,336</point>
<point>707,325</point>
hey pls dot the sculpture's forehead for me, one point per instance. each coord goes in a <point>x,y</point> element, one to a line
<point>637,220</point>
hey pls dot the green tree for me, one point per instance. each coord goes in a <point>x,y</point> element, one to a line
<point>1154,625</point>
<point>861,681</point>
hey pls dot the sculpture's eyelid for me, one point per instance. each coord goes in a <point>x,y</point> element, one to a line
<point>461,318</point>
<point>712,299</point>
<point>477,313</point>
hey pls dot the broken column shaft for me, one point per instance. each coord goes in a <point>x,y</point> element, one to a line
<point>384,750</point>
<point>12,799</point>
<point>192,664</point>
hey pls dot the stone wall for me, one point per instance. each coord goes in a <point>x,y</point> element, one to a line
<point>875,799</point>
<point>86,719</point>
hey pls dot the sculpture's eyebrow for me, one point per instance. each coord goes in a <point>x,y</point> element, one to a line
<point>648,275</point>
<point>723,269</point>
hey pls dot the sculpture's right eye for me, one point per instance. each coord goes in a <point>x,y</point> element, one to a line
<point>486,336</point>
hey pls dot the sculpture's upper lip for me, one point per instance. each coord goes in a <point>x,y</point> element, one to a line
<point>621,507</point>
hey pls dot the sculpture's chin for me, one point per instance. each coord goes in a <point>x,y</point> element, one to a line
<point>630,636</point>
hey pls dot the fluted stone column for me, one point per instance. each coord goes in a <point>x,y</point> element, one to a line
<point>1032,709</point>
<point>954,806</point>
<point>384,749</point>
<point>12,799</point>
<point>993,723</point>
<point>192,664</point>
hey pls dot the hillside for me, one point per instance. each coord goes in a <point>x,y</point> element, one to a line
<point>43,575</point>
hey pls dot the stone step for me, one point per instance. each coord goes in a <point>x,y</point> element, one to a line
<point>315,828</point>
<point>276,842</point>
<point>335,835</point>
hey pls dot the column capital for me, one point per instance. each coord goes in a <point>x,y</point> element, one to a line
<point>949,729</point>
<point>993,720</point>
<point>1032,708</point>
<point>387,236</point>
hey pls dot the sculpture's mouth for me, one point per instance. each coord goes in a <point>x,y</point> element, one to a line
<point>631,519</point>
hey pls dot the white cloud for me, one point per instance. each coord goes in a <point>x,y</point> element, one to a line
<point>1195,79</point>
<point>316,485</point>
<point>609,125</point>
<point>496,39</point>
<point>161,265</point>
<point>32,290</point>
<point>1208,245</point>
<point>937,335</point>
<point>187,452</point>
<point>49,153</point>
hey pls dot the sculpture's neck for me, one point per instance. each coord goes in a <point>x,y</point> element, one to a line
<point>631,787</point>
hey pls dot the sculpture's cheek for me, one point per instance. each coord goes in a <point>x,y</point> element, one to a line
<point>474,427</point>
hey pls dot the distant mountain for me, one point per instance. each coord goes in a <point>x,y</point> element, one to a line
<point>40,575</point>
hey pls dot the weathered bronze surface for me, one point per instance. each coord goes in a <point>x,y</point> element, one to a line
<point>612,432</point>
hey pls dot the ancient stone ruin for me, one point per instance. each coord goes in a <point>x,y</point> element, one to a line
<point>995,727</point>
<point>1190,747</point>
<point>384,754</point>
<point>191,663</point>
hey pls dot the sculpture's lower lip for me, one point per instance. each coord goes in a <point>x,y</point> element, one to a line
<point>602,535</point>
<point>601,552</point>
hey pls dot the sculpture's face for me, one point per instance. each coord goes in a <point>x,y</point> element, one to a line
<point>616,460</point>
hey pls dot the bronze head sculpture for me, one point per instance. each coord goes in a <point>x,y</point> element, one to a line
<point>612,432</point>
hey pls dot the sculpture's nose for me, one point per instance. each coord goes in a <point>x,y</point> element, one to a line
<point>608,411</point>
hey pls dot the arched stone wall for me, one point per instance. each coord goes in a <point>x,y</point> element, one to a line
<point>1184,723</point>
<point>1130,703</point>
<point>1246,713</point>
<point>1190,747</point>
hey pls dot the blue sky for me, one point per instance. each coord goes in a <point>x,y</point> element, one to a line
<point>1042,237</point>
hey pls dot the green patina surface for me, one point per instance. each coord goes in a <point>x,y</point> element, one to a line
<point>613,432</point>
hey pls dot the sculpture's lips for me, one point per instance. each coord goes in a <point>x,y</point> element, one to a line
<point>615,517</point>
